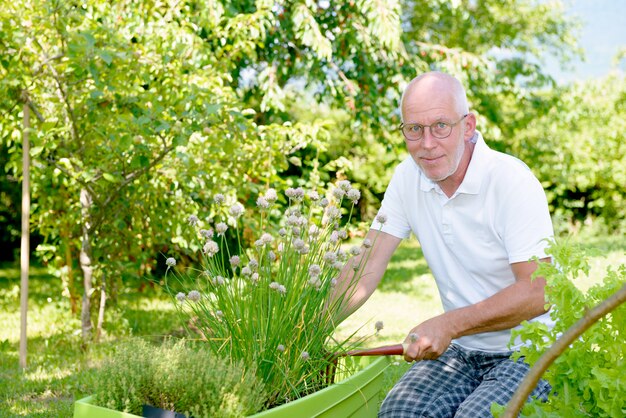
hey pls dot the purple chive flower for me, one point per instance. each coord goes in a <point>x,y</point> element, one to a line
<point>314,270</point>
<point>210,248</point>
<point>193,296</point>
<point>262,203</point>
<point>330,257</point>
<point>353,195</point>
<point>315,282</point>
<point>333,213</point>
<point>221,228</point>
<point>271,196</point>
<point>295,194</point>
<point>236,210</point>
<point>339,193</point>
<point>344,185</point>
<point>253,264</point>
<point>266,238</point>
<point>218,198</point>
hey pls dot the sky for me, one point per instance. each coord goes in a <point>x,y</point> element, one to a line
<point>601,36</point>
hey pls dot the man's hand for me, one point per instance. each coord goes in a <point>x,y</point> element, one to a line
<point>429,340</point>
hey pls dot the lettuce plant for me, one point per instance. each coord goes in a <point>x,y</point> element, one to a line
<point>588,378</point>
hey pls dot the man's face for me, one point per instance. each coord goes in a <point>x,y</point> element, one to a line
<point>438,158</point>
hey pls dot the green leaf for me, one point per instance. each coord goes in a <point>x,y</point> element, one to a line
<point>143,161</point>
<point>106,57</point>
<point>111,178</point>
<point>212,108</point>
<point>35,151</point>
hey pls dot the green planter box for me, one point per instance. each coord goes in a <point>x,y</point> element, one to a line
<point>358,396</point>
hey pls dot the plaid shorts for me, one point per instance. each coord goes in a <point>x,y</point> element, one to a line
<point>460,383</point>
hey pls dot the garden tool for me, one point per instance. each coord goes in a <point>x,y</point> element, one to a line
<point>386,350</point>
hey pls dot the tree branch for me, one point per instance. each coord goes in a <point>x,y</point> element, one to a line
<point>130,178</point>
<point>530,381</point>
<point>136,174</point>
<point>60,91</point>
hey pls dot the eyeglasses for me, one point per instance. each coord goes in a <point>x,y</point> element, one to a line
<point>440,130</point>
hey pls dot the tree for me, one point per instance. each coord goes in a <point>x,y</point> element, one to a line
<point>577,148</point>
<point>150,108</point>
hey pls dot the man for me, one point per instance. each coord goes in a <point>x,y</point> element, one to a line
<point>480,217</point>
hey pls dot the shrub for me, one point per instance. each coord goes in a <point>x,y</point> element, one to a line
<point>176,376</point>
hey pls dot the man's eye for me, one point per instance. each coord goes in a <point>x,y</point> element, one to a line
<point>441,125</point>
<point>415,128</point>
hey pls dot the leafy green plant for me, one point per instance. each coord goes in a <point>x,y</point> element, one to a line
<point>176,376</point>
<point>587,379</point>
<point>268,305</point>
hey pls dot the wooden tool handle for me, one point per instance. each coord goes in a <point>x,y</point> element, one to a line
<point>387,350</point>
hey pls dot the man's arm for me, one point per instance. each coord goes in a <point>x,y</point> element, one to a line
<point>376,258</point>
<point>523,300</point>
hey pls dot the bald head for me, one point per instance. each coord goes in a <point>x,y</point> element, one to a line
<point>435,86</point>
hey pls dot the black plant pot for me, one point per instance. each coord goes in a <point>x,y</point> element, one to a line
<point>153,412</point>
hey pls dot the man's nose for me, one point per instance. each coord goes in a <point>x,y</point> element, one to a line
<point>428,140</point>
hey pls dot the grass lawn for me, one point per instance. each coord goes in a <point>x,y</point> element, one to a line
<point>59,372</point>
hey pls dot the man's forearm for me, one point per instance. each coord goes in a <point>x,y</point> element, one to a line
<point>506,309</point>
<point>361,274</point>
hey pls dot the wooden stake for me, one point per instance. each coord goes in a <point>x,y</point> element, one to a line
<point>25,244</point>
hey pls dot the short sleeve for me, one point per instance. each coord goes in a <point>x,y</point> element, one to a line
<point>526,221</point>
<point>393,206</point>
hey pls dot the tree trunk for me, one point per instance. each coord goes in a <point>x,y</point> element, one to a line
<point>103,298</point>
<point>25,244</point>
<point>69,288</point>
<point>86,266</point>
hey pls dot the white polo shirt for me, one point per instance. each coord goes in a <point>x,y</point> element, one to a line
<point>499,215</point>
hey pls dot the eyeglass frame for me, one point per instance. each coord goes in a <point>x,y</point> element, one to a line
<point>430,128</point>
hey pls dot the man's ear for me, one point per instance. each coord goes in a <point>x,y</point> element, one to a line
<point>470,126</point>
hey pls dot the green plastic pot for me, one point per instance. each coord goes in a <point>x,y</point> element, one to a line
<point>358,396</point>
